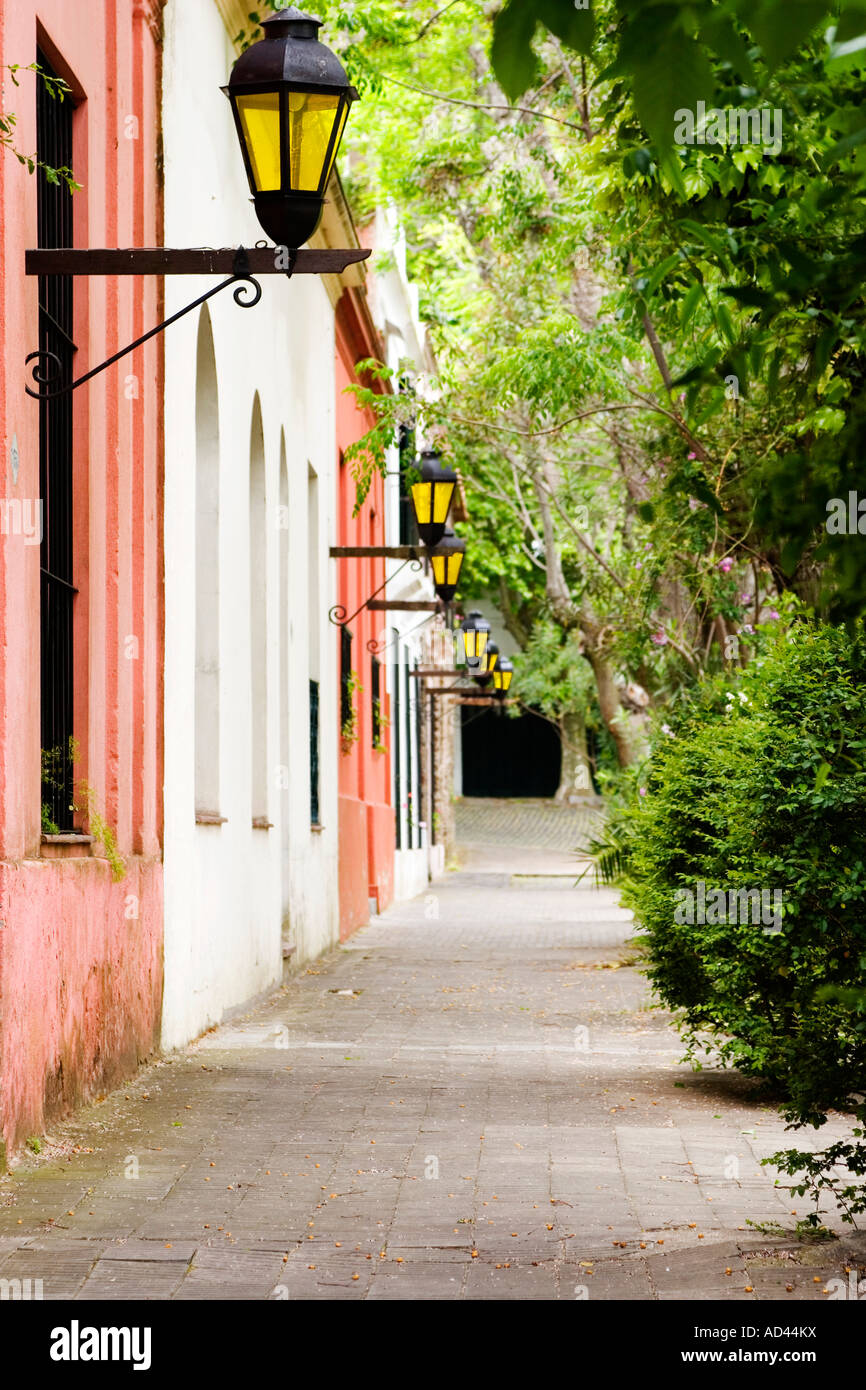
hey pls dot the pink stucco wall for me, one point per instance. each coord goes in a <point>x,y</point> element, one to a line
<point>80,955</point>
<point>366,813</point>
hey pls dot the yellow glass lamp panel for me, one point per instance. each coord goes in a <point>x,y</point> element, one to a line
<point>442,494</point>
<point>311,120</point>
<point>475,642</point>
<point>446,568</point>
<point>260,121</point>
<point>493,660</point>
<point>422,501</point>
<point>505,679</point>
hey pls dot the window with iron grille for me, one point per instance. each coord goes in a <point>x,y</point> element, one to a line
<point>347,712</point>
<point>314,753</point>
<point>57,589</point>
<point>375,698</point>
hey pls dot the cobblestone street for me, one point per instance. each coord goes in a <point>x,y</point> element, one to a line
<point>471,1099</point>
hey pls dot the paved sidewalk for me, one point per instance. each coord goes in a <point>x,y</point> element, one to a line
<point>470,1100</point>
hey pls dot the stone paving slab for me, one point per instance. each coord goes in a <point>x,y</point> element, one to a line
<point>493,1112</point>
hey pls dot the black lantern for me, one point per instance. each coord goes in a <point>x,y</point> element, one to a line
<point>290,97</point>
<point>486,666</point>
<point>447,560</point>
<point>502,673</point>
<point>476,631</point>
<point>431,497</point>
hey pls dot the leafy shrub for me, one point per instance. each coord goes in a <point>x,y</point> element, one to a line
<point>762,784</point>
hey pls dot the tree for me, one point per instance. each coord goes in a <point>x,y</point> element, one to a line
<point>650,354</point>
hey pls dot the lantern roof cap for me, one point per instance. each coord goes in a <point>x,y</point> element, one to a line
<point>475,619</point>
<point>293,21</point>
<point>289,52</point>
<point>433,469</point>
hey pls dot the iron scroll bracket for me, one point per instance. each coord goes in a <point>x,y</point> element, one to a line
<point>242,264</point>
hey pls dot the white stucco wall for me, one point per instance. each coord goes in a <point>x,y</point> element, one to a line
<point>230,889</point>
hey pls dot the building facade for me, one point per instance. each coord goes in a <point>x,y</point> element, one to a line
<point>365,797</point>
<point>204,781</point>
<point>80,571</point>
<point>251,850</point>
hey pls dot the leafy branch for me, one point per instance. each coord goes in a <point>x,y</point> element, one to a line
<point>58,90</point>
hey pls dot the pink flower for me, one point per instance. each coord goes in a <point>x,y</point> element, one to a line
<point>726,564</point>
<point>772,616</point>
<point>660,638</point>
<point>745,598</point>
<point>747,627</point>
<point>642,791</point>
<point>692,456</point>
<point>693,504</point>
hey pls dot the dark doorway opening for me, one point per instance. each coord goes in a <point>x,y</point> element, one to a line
<point>505,756</point>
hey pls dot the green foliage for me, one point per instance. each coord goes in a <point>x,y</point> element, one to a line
<point>101,830</point>
<point>381,722</point>
<point>58,90</point>
<point>668,55</point>
<point>55,762</point>
<point>552,674</point>
<point>819,1173</point>
<point>53,765</point>
<point>349,727</point>
<point>731,798</point>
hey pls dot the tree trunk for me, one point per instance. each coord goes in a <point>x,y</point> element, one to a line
<point>615,718</point>
<point>575,778</point>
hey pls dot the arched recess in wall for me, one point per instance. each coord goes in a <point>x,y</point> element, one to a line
<point>284,644</point>
<point>207,585</point>
<point>258,623</point>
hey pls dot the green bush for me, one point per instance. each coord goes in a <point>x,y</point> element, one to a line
<point>761,784</point>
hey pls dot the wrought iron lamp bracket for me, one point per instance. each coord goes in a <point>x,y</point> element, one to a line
<point>243,264</point>
<point>337,614</point>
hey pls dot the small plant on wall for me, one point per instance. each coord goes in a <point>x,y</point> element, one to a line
<point>349,714</point>
<point>85,801</point>
<point>381,722</point>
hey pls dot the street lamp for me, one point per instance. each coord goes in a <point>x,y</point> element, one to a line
<point>502,673</point>
<point>431,497</point>
<point>447,561</point>
<point>290,97</point>
<point>476,631</point>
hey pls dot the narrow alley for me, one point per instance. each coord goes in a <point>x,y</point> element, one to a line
<point>471,1099</point>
